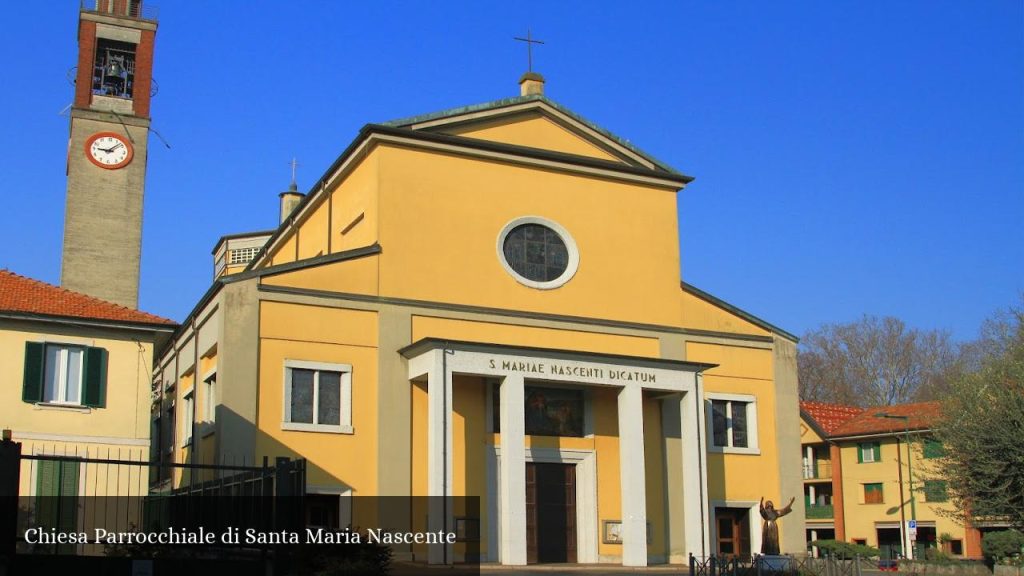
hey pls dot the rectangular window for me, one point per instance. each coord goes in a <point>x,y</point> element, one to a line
<point>956,547</point>
<point>933,448</point>
<point>732,423</point>
<point>210,398</point>
<point>868,452</point>
<point>242,255</point>
<point>65,374</point>
<point>861,541</point>
<point>873,493</point>
<point>935,491</point>
<point>187,418</point>
<point>318,397</point>
<point>62,381</point>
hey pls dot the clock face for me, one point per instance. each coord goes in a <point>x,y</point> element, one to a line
<point>109,150</point>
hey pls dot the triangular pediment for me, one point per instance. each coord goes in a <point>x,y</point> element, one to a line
<point>534,122</point>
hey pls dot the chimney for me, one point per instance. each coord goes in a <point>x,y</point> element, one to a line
<point>531,83</point>
<point>289,200</point>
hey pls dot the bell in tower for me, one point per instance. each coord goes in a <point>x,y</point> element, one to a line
<point>108,149</point>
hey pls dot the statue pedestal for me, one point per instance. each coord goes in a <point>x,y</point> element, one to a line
<point>774,563</point>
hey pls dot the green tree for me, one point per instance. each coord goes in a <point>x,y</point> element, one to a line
<point>983,427</point>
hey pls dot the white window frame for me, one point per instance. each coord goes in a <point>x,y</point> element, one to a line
<point>345,410</point>
<point>572,265</point>
<point>187,421</point>
<point>870,452</point>
<point>61,385</point>
<point>753,446</point>
<point>210,396</point>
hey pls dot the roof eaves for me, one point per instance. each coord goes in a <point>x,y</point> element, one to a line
<point>89,321</point>
<point>506,102</point>
<point>813,423</point>
<point>227,237</point>
<point>739,312</point>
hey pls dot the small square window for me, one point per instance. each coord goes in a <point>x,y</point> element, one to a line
<point>318,397</point>
<point>873,493</point>
<point>935,491</point>
<point>868,452</point>
<point>956,547</point>
<point>933,448</point>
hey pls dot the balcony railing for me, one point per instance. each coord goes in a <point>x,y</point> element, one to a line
<point>819,512</point>
<point>820,470</point>
<point>121,8</point>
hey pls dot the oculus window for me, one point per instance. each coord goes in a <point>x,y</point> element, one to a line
<point>537,252</point>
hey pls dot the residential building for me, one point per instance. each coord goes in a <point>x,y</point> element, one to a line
<point>77,375</point>
<point>881,486</point>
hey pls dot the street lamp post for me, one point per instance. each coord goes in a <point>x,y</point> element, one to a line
<point>910,465</point>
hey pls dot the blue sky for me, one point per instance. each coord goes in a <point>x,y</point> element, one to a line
<point>849,158</point>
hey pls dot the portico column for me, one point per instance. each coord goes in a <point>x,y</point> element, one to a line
<point>439,454</point>
<point>632,476</point>
<point>512,480</point>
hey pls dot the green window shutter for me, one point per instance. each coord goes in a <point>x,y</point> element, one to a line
<point>32,386</point>
<point>877,449</point>
<point>935,491</point>
<point>94,389</point>
<point>860,453</point>
<point>933,448</point>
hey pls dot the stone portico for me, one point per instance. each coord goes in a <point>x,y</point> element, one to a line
<point>675,385</point>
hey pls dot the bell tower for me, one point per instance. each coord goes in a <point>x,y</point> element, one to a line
<point>107,150</point>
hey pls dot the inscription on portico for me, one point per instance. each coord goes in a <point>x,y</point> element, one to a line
<point>562,369</point>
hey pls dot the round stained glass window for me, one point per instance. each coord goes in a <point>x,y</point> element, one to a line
<point>538,253</point>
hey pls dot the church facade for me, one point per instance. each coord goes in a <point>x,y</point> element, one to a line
<point>486,302</point>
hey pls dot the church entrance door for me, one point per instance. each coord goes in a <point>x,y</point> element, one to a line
<point>550,513</point>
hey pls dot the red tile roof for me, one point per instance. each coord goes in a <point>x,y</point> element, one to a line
<point>922,416</point>
<point>827,416</point>
<point>28,296</point>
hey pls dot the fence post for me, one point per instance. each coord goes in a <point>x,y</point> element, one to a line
<point>10,475</point>
<point>693,567</point>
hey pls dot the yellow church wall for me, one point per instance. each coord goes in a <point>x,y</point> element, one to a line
<point>358,276</point>
<point>418,403</point>
<point>354,210</point>
<point>747,371</point>
<point>654,465</point>
<point>422,194</point>
<point>312,235</point>
<point>330,335</point>
<point>511,334</point>
<point>861,518</point>
<point>609,483</point>
<point>700,314</point>
<point>286,252</point>
<point>469,445</point>
<point>534,130</point>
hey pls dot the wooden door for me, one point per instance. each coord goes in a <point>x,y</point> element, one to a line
<point>733,527</point>
<point>550,513</point>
